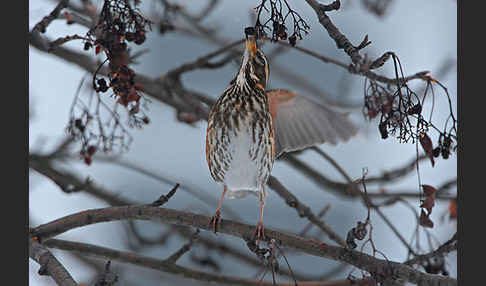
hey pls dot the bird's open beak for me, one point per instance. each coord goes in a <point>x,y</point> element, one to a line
<point>251,44</point>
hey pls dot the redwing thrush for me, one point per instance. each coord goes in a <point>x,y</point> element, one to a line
<point>248,127</point>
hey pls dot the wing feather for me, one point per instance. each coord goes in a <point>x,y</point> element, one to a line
<point>300,122</point>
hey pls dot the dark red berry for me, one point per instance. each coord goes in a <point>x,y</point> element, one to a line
<point>91,150</point>
<point>436,152</point>
<point>87,160</point>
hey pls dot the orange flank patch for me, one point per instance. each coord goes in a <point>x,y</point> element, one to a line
<point>276,98</point>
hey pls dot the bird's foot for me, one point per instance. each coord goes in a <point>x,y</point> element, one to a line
<point>215,220</point>
<point>259,233</point>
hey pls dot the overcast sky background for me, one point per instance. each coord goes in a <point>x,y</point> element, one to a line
<point>422,33</point>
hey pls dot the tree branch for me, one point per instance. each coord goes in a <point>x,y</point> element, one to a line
<point>383,268</point>
<point>165,266</point>
<point>302,209</point>
<point>185,248</point>
<point>448,246</point>
<point>341,41</point>
<point>49,264</point>
<point>46,21</point>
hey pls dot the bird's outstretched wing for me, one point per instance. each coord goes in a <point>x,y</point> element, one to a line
<point>300,122</point>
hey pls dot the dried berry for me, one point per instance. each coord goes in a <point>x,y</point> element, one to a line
<point>91,150</point>
<point>293,40</point>
<point>87,46</point>
<point>383,130</point>
<point>436,152</point>
<point>87,160</point>
<point>445,153</point>
<point>79,124</point>
<point>447,142</point>
<point>102,85</point>
<point>416,109</point>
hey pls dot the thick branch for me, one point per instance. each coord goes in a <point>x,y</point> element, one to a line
<point>143,212</point>
<point>49,264</point>
<point>64,179</point>
<point>165,266</point>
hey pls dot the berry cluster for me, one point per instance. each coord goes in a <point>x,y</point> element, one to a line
<point>276,23</point>
<point>118,24</point>
<point>401,115</point>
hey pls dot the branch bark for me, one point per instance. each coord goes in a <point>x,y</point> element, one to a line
<point>169,267</point>
<point>375,266</point>
<point>49,264</point>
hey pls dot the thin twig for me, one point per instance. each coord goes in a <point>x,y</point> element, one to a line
<point>448,246</point>
<point>46,21</point>
<point>185,248</point>
<point>302,209</point>
<point>203,62</point>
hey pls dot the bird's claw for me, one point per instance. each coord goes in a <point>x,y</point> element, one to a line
<point>215,220</point>
<point>259,233</point>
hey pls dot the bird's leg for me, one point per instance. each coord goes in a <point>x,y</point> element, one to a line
<point>217,216</point>
<point>259,233</point>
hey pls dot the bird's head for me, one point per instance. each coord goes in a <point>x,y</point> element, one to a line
<point>254,67</point>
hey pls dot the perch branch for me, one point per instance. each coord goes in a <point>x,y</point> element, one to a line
<point>144,212</point>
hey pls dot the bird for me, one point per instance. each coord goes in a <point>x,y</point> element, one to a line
<point>249,127</point>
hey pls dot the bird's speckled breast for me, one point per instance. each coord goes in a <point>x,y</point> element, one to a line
<point>240,140</point>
